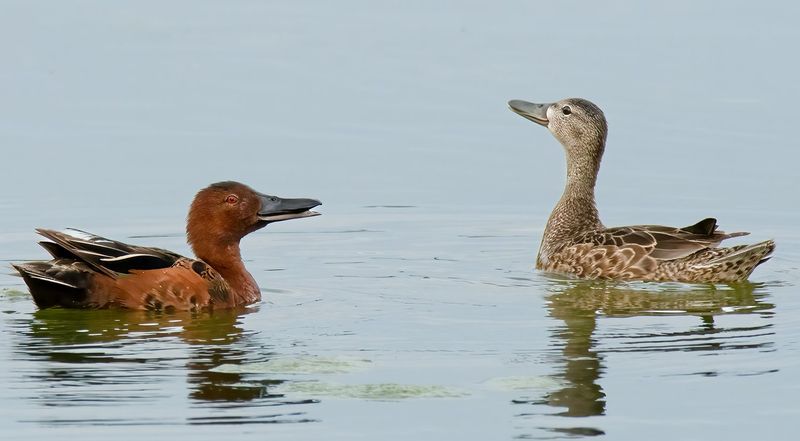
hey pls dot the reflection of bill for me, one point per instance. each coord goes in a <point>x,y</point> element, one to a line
<point>579,304</point>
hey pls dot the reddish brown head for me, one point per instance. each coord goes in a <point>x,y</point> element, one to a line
<point>222,213</point>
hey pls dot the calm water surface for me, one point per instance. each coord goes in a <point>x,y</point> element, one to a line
<point>409,310</point>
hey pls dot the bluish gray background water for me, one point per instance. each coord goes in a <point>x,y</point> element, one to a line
<point>409,309</point>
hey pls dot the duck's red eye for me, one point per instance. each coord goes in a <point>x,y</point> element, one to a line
<point>232,199</point>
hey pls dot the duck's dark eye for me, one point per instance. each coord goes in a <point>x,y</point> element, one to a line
<point>232,199</point>
<point>566,110</point>
<point>273,199</point>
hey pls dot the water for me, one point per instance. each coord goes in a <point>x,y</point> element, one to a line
<point>409,309</point>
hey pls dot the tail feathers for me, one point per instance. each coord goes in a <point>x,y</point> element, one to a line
<point>51,285</point>
<point>769,247</point>
<point>740,261</point>
<point>758,251</point>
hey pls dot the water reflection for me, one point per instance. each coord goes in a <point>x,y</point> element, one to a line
<point>100,358</point>
<point>581,306</point>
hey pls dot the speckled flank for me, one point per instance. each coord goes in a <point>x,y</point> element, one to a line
<point>575,241</point>
<point>634,262</point>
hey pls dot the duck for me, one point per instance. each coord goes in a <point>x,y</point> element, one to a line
<point>575,242</point>
<point>91,272</point>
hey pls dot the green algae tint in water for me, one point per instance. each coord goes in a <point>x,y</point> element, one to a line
<point>304,365</point>
<point>409,309</point>
<point>386,391</point>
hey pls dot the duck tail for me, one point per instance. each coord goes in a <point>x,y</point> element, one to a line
<point>761,251</point>
<point>51,288</point>
<point>767,247</point>
<point>739,263</point>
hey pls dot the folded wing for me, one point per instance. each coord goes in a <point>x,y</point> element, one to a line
<point>105,255</point>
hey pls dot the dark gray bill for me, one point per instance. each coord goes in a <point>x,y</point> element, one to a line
<point>274,209</point>
<point>532,111</point>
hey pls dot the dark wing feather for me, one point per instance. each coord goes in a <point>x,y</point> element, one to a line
<point>105,255</point>
<point>706,226</point>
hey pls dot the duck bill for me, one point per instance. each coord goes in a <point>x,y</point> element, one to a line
<point>275,209</point>
<point>532,111</point>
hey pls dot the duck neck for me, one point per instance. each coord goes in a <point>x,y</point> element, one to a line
<point>226,259</point>
<point>576,211</point>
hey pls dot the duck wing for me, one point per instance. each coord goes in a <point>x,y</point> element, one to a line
<point>660,242</point>
<point>105,255</point>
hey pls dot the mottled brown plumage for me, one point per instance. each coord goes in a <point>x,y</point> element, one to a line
<point>89,271</point>
<point>576,243</point>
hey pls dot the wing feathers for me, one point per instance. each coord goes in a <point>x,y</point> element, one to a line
<point>104,255</point>
<point>654,242</point>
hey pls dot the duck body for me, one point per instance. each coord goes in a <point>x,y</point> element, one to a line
<point>89,271</point>
<point>654,253</point>
<point>576,243</point>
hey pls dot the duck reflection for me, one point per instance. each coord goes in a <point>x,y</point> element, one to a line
<point>581,395</point>
<point>104,356</point>
<point>579,305</point>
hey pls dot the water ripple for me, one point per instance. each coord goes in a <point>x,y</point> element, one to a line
<point>90,359</point>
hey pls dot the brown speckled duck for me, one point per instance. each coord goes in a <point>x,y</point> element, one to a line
<point>576,243</point>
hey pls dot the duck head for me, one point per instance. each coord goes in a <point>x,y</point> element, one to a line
<point>577,123</point>
<point>227,211</point>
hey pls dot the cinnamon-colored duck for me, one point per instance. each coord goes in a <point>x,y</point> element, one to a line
<point>89,271</point>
